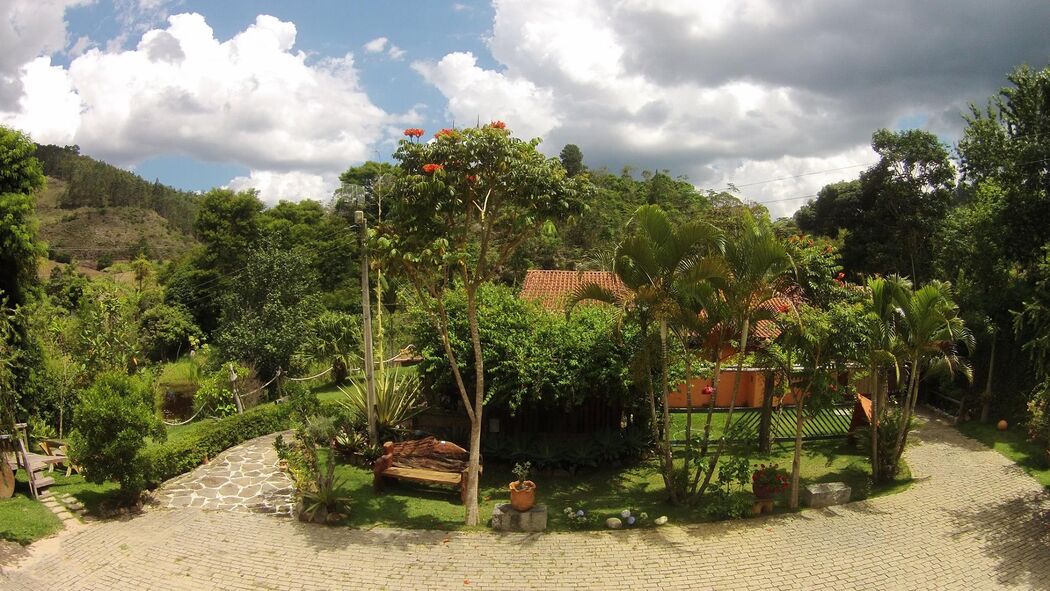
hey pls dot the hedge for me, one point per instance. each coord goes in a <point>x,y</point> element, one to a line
<point>167,460</point>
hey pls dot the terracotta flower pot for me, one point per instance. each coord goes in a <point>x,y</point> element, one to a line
<point>523,500</point>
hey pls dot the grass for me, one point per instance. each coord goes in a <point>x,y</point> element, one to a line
<point>1014,444</point>
<point>23,520</point>
<point>603,492</point>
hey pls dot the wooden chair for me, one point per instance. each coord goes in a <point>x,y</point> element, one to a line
<point>58,448</point>
<point>34,464</point>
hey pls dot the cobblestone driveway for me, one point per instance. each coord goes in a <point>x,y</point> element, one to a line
<point>972,521</point>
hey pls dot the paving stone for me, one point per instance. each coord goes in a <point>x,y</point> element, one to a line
<point>973,523</point>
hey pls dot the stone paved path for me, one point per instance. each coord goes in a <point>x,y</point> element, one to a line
<point>972,521</point>
<point>244,478</point>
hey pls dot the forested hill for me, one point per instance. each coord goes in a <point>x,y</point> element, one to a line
<point>94,210</point>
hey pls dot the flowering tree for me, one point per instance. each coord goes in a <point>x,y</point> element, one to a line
<point>462,206</point>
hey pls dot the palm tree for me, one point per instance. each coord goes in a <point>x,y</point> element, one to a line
<point>757,264</point>
<point>881,350</point>
<point>660,265</point>
<point>930,331</point>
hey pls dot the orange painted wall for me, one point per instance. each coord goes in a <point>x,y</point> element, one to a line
<point>752,385</point>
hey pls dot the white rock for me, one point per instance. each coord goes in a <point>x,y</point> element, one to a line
<point>660,520</point>
<point>613,523</point>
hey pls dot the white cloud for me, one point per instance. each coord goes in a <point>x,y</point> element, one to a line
<point>251,100</point>
<point>288,186</point>
<point>28,29</point>
<point>730,90</point>
<point>478,94</point>
<point>395,52</point>
<point>49,108</point>
<point>376,45</point>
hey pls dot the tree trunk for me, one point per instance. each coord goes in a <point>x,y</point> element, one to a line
<point>902,431</point>
<point>710,413</point>
<point>875,395</point>
<point>665,387</point>
<point>689,407</point>
<point>986,398</point>
<point>471,497</point>
<point>729,415</point>
<point>796,463</point>
<point>765,423</point>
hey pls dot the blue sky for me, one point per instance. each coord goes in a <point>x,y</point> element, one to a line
<point>281,96</point>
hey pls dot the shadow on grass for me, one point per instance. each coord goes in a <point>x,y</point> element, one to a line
<point>1030,456</point>
<point>1010,530</point>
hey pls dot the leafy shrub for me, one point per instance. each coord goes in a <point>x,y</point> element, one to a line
<point>531,355</point>
<point>165,331</point>
<point>302,400</point>
<point>214,396</point>
<point>104,261</point>
<point>726,499</point>
<point>114,417</point>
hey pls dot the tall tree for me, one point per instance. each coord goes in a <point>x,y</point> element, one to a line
<point>572,159</point>
<point>462,206</point>
<point>893,210</point>
<point>662,267</point>
<point>20,176</point>
<point>931,332</point>
<point>757,265</point>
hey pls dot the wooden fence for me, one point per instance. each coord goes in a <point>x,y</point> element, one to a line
<point>830,423</point>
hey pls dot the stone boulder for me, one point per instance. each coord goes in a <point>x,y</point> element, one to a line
<point>507,518</point>
<point>825,494</point>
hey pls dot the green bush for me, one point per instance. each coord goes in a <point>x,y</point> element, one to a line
<point>167,460</point>
<point>213,396</point>
<point>114,417</point>
<point>532,356</point>
<point>104,261</point>
<point>166,331</point>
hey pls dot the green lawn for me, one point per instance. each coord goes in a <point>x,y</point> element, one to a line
<point>605,492</point>
<point>24,520</point>
<point>1013,444</point>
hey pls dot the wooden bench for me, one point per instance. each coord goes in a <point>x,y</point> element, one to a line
<point>426,461</point>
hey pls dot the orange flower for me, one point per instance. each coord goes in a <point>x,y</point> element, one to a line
<point>473,178</point>
<point>498,125</point>
<point>429,168</point>
<point>413,132</point>
<point>443,132</point>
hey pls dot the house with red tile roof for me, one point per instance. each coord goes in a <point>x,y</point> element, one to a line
<point>552,289</point>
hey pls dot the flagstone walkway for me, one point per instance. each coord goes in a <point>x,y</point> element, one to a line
<point>244,478</point>
<point>972,520</point>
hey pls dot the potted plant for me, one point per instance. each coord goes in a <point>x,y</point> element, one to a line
<point>768,481</point>
<point>522,490</point>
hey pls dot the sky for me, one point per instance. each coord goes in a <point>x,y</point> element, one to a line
<point>777,99</point>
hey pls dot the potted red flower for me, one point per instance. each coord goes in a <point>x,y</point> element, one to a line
<point>768,481</point>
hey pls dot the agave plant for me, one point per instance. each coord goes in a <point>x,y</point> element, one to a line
<point>399,398</point>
